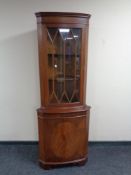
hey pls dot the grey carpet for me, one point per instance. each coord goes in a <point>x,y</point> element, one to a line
<point>104,159</point>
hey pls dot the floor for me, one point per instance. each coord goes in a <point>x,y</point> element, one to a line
<point>104,159</point>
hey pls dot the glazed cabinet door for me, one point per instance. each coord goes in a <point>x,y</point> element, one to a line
<point>63,65</point>
<point>63,54</point>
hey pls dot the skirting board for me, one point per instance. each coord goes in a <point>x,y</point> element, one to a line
<point>91,143</point>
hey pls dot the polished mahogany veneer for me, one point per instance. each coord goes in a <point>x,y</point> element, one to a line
<point>63,118</point>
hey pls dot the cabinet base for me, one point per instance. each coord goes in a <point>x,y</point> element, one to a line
<point>63,136</point>
<point>51,165</point>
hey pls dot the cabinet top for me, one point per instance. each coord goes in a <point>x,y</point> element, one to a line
<point>63,14</point>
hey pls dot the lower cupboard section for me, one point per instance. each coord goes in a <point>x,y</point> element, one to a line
<point>63,137</point>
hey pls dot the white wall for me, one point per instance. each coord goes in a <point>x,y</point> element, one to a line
<point>109,67</point>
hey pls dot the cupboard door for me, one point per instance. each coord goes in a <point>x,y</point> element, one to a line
<point>65,138</point>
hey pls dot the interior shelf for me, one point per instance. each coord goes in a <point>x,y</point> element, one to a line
<point>62,55</point>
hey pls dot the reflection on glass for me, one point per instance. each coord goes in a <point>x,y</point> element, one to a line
<point>64,64</point>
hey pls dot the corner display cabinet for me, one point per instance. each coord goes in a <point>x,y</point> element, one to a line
<point>63,118</point>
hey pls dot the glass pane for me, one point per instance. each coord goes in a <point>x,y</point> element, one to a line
<point>64,64</point>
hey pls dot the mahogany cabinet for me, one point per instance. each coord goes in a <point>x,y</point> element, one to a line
<point>63,118</point>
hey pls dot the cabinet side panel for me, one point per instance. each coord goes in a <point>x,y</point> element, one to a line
<point>41,136</point>
<point>42,45</point>
<point>83,66</point>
